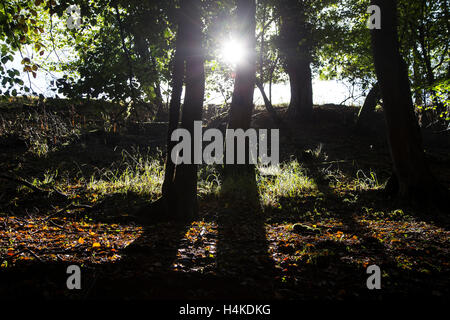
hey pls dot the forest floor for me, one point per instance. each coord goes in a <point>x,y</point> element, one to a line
<point>72,181</point>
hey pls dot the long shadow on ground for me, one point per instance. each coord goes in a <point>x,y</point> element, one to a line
<point>242,248</point>
<point>334,248</point>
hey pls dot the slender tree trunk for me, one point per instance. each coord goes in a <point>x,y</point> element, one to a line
<point>179,190</point>
<point>160,107</point>
<point>295,46</point>
<point>417,75</point>
<point>412,177</point>
<point>270,109</point>
<point>261,53</point>
<point>185,196</point>
<point>270,87</point>
<point>175,103</point>
<point>242,101</point>
<point>368,108</point>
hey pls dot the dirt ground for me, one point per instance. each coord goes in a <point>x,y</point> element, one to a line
<point>314,244</point>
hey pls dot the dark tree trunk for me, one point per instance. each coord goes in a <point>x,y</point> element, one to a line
<point>161,113</point>
<point>270,109</point>
<point>295,47</point>
<point>185,196</point>
<point>175,103</point>
<point>242,101</point>
<point>261,52</point>
<point>244,85</point>
<point>414,180</point>
<point>300,106</point>
<point>179,191</point>
<point>368,108</point>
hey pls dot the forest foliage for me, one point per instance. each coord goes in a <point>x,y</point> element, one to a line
<point>123,50</point>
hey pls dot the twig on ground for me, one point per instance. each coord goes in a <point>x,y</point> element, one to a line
<point>69,206</point>
<point>29,185</point>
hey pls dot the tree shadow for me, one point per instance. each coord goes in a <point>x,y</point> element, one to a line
<point>146,268</point>
<point>335,273</point>
<point>242,246</point>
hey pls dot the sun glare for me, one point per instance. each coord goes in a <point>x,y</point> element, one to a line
<point>232,52</point>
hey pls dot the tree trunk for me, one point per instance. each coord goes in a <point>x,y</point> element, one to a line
<point>175,103</point>
<point>270,109</point>
<point>295,47</point>
<point>179,191</point>
<point>261,52</point>
<point>299,71</point>
<point>185,196</point>
<point>161,114</point>
<point>414,179</point>
<point>242,101</point>
<point>368,108</point>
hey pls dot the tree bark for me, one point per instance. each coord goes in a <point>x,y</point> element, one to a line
<point>242,100</point>
<point>175,103</point>
<point>301,104</point>
<point>295,47</point>
<point>179,190</point>
<point>414,178</point>
<point>185,196</point>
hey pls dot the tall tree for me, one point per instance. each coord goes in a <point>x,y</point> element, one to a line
<point>185,181</point>
<point>295,45</point>
<point>411,178</point>
<point>180,182</point>
<point>242,101</point>
<point>346,51</point>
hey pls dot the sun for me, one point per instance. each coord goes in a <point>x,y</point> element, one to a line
<point>232,52</point>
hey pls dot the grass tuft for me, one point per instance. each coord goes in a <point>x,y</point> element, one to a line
<point>288,180</point>
<point>137,173</point>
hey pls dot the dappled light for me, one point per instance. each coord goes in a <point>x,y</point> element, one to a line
<point>62,239</point>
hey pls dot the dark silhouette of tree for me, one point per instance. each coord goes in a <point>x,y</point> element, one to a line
<point>242,101</point>
<point>370,103</point>
<point>412,178</point>
<point>296,48</point>
<point>179,191</point>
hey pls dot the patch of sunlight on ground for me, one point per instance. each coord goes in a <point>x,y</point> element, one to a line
<point>197,249</point>
<point>145,177</point>
<point>288,180</point>
<point>60,239</point>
